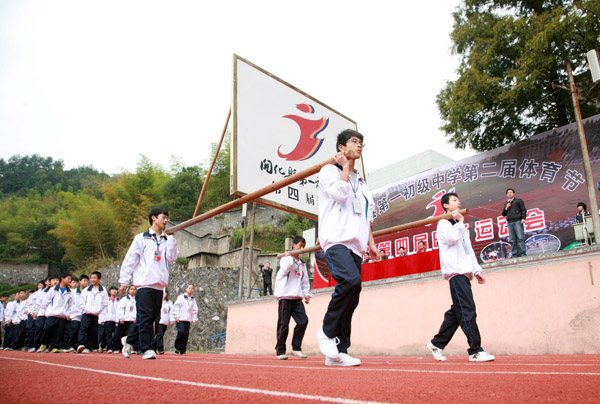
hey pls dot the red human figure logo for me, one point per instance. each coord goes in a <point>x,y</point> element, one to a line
<point>308,144</point>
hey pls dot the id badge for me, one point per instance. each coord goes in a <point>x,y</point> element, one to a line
<point>356,206</point>
<point>157,255</point>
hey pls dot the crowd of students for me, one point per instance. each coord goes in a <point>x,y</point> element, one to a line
<point>70,314</point>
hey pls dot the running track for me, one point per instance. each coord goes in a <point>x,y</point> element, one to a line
<point>219,378</point>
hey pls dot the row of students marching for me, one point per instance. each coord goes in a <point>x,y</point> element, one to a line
<point>67,314</point>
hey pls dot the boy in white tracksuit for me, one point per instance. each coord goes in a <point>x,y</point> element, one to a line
<point>39,314</point>
<point>3,298</point>
<point>57,306</point>
<point>19,320</point>
<point>29,310</point>
<point>146,266</point>
<point>165,320</point>
<point>459,266</point>
<point>345,218</point>
<point>9,312</point>
<point>94,299</point>
<point>185,311</point>
<point>291,287</point>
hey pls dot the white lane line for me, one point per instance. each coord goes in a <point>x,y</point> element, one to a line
<point>207,385</point>
<point>419,363</point>
<point>362,369</point>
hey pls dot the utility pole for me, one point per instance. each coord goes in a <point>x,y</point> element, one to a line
<point>251,249</point>
<point>587,166</point>
<point>242,264</point>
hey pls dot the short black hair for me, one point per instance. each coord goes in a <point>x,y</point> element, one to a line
<point>510,189</point>
<point>446,199</point>
<point>98,274</point>
<point>5,295</point>
<point>113,288</point>
<point>53,277</point>
<point>64,276</point>
<point>74,278</point>
<point>343,137</point>
<point>298,239</point>
<point>155,212</point>
<point>582,204</point>
<point>84,276</point>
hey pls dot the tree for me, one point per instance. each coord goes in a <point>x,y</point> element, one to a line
<point>24,227</point>
<point>87,229</point>
<point>21,173</point>
<point>513,56</point>
<point>181,193</point>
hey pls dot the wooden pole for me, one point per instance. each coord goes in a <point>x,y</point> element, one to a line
<point>243,260</point>
<point>251,249</point>
<point>585,157</point>
<point>211,166</point>
<point>383,232</point>
<point>256,194</point>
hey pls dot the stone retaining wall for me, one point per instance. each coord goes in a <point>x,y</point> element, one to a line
<point>22,274</point>
<point>213,288</point>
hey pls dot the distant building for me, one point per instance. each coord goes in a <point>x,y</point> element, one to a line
<point>405,168</point>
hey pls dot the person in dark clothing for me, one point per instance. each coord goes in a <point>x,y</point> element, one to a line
<point>581,212</point>
<point>516,213</point>
<point>267,274</point>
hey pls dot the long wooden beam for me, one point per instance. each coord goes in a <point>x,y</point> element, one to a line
<point>257,194</point>
<point>383,232</point>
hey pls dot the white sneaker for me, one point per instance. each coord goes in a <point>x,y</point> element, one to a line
<point>299,354</point>
<point>71,350</point>
<point>127,348</point>
<point>31,350</point>
<point>343,360</point>
<point>282,357</point>
<point>80,348</point>
<point>436,352</point>
<point>86,351</point>
<point>328,346</point>
<point>149,354</point>
<point>109,351</point>
<point>481,357</point>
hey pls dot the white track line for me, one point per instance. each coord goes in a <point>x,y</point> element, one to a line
<point>206,385</point>
<point>395,362</point>
<point>359,369</point>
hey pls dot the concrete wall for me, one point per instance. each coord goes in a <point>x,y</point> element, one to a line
<point>534,307</point>
<point>190,244</point>
<point>22,274</point>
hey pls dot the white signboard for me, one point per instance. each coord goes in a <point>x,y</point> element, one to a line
<point>277,131</point>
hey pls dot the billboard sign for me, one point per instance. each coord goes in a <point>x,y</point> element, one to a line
<point>277,131</point>
<point>545,170</point>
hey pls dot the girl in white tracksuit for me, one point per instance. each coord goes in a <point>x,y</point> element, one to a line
<point>109,319</point>
<point>127,314</point>
<point>164,321</point>
<point>185,312</point>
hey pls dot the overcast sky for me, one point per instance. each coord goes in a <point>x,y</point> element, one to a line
<point>100,83</point>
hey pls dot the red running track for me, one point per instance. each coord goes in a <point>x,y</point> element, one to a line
<point>219,378</point>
